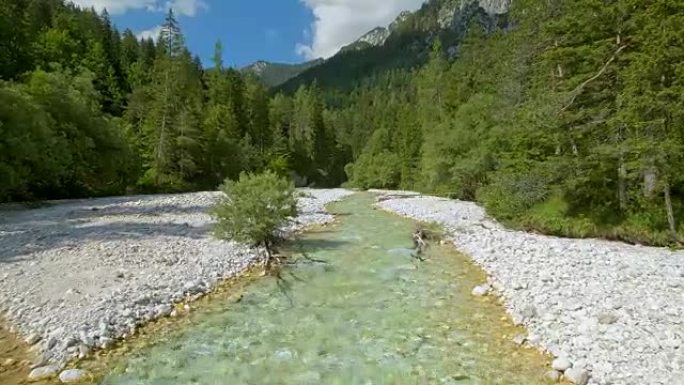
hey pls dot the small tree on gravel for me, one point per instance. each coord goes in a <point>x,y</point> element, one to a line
<point>254,208</point>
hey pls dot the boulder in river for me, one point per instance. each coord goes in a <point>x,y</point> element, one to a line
<point>43,373</point>
<point>552,376</point>
<point>480,291</point>
<point>73,375</point>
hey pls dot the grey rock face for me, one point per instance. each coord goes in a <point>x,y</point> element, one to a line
<point>495,6</point>
<point>375,37</point>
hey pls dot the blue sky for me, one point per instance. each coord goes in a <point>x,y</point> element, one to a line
<point>287,31</point>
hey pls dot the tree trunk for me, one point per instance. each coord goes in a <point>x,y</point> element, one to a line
<point>622,184</point>
<point>670,212</point>
<point>650,178</point>
<point>161,151</point>
<point>622,172</point>
<point>269,257</point>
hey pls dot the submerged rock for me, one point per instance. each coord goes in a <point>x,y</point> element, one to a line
<point>520,339</point>
<point>43,373</point>
<point>552,376</point>
<point>283,354</point>
<point>9,362</point>
<point>480,291</point>
<point>73,375</point>
<point>32,339</point>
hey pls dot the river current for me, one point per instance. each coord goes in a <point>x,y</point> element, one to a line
<point>371,314</point>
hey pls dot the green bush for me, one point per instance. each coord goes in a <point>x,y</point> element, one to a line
<point>254,207</point>
<point>510,195</point>
<point>375,171</point>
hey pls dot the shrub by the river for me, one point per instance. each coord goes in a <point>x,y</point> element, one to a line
<point>254,207</point>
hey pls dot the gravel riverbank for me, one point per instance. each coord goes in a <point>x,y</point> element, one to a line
<point>612,309</point>
<point>77,275</point>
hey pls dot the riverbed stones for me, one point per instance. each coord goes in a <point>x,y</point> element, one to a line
<point>75,279</point>
<point>561,364</point>
<point>9,362</point>
<point>32,339</point>
<point>552,376</point>
<point>577,376</point>
<point>73,376</point>
<point>607,318</point>
<point>520,339</point>
<point>481,290</point>
<point>529,312</point>
<point>283,354</point>
<point>616,307</point>
<point>43,373</point>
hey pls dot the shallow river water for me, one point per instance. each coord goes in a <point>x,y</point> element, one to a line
<point>372,315</point>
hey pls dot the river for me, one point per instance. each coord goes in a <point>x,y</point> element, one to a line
<point>371,315</point>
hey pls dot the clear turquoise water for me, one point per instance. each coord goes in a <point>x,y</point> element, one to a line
<point>373,315</point>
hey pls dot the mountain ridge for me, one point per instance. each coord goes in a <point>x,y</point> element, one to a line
<point>405,43</point>
<point>444,19</point>
<point>273,74</point>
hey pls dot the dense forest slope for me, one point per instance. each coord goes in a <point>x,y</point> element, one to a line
<point>562,116</point>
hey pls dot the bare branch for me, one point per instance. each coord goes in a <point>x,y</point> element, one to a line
<point>578,91</point>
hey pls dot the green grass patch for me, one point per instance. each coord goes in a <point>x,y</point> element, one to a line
<point>552,217</point>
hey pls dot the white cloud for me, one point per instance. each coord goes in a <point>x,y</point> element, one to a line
<point>181,7</point>
<point>117,6</point>
<point>187,7</point>
<point>340,22</point>
<point>150,33</point>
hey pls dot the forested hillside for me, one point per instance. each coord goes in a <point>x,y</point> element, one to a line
<point>569,122</point>
<point>86,110</point>
<point>565,117</point>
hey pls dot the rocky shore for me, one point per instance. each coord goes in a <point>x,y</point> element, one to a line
<point>78,275</point>
<point>611,313</point>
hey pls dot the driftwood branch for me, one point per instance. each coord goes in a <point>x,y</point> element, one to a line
<point>419,244</point>
<point>578,91</point>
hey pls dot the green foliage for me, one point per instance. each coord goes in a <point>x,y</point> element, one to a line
<point>254,208</point>
<point>375,170</point>
<point>56,142</point>
<point>510,195</point>
<point>576,128</point>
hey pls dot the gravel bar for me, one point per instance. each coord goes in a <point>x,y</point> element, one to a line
<point>78,275</point>
<point>606,309</point>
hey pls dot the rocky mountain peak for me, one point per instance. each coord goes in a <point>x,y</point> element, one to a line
<point>449,14</point>
<point>375,37</point>
<point>495,7</point>
<point>400,19</point>
<point>258,67</point>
